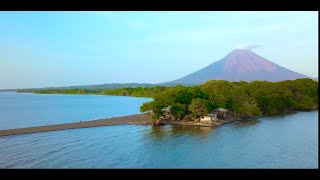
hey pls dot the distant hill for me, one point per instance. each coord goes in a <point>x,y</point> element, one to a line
<point>96,87</point>
<point>109,86</point>
<point>103,86</point>
<point>240,65</point>
<point>7,90</point>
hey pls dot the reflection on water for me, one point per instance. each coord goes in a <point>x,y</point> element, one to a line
<point>157,132</point>
<point>162,132</point>
<point>191,130</point>
<point>279,116</point>
<point>246,123</point>
<point>290,142</point>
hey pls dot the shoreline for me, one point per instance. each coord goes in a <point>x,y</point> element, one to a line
<point>216,123</point>
<point>136,119</point>
<point>88,94</point>
<point>94,94</point>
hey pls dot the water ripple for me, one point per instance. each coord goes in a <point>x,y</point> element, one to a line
<point>267,144</point>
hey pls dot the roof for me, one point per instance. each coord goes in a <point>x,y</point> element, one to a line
<point>209,115</point>
<point>221,109</point>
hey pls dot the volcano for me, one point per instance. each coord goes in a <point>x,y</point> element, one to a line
<point>240,65</point>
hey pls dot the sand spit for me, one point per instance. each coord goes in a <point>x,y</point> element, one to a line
<point>138,119</point>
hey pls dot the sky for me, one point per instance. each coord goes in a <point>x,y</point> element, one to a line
<point>52,49</point>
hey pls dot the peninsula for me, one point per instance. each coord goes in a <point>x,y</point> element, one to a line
<point>193,105</point>
<point>137,119</point>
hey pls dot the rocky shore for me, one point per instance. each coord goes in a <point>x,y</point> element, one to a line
<point>137,119</point>
<point>228,119</point>
<point>191,123</point>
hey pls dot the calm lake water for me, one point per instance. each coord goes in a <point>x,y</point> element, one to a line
<point>289,141</point>
<point>18,110</point>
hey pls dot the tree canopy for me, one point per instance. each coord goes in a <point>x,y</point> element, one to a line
<point>246,98</point>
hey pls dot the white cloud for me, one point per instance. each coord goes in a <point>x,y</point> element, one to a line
<point>248,46</point>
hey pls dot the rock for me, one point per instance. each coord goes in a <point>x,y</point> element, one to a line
<point>158,123</point>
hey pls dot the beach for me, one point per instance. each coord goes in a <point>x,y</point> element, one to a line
<point>138,119</point>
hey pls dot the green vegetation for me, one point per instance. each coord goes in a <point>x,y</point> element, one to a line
<point>198,107</point>
<point>137,92</point>
<point>248,99</point>
<point>244,98</point>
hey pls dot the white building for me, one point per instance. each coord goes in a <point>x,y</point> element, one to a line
<point>221,112</point>
<point>208,118</point>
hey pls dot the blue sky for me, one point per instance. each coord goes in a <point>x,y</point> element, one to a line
<point>45,49</point>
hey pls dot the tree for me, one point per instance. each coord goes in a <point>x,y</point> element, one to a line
<point>247,98</point>
<point>146,107</point>
<point>154,108</point>
<point>198,107</point>
<point>178,111</point>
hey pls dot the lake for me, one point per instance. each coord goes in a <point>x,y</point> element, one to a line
<point>287,141</point>
<point>18,110</point>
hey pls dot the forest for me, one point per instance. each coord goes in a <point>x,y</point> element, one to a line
<point>245,98</point>
<point>136,92</point>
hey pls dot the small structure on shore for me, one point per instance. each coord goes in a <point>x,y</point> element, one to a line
<point>166,113</point>
<point>221,112</point>
<point>208,118</point>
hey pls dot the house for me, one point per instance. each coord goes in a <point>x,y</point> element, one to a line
<point>221,112</point>
<point>208,118</point>
<point>166,112</point>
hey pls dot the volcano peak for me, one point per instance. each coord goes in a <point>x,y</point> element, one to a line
<point>240,65</point>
